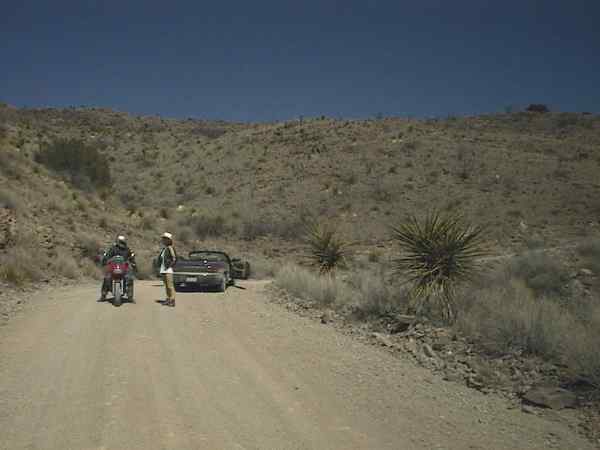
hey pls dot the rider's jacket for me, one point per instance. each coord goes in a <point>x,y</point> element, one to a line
<point>115,250</point>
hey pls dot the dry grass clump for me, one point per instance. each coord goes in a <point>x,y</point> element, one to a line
<point>304,284</point>
<point>372,295</point>
<point>262,268</point>
<point>65,265</point>
<point>19,266</point>
<point>144,268</point>
<point>252,228</point>
<point>205,226</point>
<point>542,273</point>
<point>510,317</point>
<point>88,245</point>
<point>503,314</point>
<point>365,293</point>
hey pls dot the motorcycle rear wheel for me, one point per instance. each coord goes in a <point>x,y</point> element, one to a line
<point>118,295</point>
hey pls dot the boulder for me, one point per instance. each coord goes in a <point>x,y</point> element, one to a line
<point>550,397</point>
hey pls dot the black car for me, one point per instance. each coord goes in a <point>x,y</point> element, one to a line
<point>203,269</point>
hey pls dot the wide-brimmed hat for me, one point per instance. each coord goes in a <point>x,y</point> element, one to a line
<point>168,236</point>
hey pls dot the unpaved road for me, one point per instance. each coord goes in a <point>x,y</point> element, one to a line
<point>229,371</point>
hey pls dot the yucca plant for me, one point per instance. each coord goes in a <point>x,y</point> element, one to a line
<point>325,248</point>
<point>438,254</point>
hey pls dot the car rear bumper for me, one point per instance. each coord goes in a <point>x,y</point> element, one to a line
<point>197,279</point>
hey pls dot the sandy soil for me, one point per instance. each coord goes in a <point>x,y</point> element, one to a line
<point>229,371</point>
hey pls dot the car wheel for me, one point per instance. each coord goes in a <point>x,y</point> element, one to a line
<point>223,285</point>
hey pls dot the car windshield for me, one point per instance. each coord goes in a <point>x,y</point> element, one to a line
<point>208,256</point>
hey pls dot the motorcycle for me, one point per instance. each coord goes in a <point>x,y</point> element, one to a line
<point>120,280</point>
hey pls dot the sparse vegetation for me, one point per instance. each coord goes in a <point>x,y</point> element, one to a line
<point>80,163</point>
<point>304,284</point>
<point>503,314</point>
<point>540,272</point>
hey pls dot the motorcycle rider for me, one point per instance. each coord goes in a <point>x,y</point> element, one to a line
<point>119,248</point>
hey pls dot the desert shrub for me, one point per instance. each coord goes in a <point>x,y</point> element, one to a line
<point>325,248</point>
<point>148,222</point>
<point>88,245</point>
<point>103,223</point>
<point>252,229</point>
<point>541,272</point>
<point>262,268</point>
<point>437,255</point>
<point>505,315</point>
<point>165,213</point>
<point>19,266</point>
<point>184,234</point>
<point>510,317</point>
<point>210,226</point>
<point>90,270</point>
<point>64,265</point>
<point>304,284</point>
<point>144,269</point>
<point>79,162</point>
<point>537,108</point>
<point>11,164</point>
<point>371,295</point>
<point>9,200</point>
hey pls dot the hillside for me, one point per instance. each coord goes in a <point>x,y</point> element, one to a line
<point>503,170</point>
<point>203,179</point>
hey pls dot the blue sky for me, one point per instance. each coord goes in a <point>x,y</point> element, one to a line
<point>276,60</point>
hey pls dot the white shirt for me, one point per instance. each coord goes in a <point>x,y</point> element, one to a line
<point>162,263</point>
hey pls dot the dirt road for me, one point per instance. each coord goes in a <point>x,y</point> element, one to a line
<point>229,371</point>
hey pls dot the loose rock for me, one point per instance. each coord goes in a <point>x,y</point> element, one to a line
<point>550,397</point>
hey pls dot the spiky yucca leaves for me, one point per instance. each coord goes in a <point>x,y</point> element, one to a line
<point>326,249</point>
<point>438,254</point>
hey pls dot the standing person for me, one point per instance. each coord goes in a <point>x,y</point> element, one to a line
<point>166,261</point>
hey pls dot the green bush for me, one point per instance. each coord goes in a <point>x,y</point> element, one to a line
<point>79,162</point>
